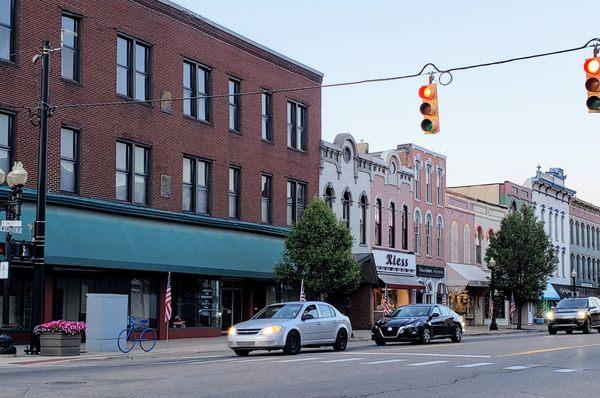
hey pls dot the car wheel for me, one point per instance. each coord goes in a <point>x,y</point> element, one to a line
<point>457,336</point>
<point>551,330</point>
<point>587,327</point>
<point>425,336</point>
<point>292,343</point>
<point>241,353</point>
<point>341,341</point>
<point>379,341</point>
<point>569,331</point>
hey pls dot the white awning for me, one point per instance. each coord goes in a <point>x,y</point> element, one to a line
<point>462,275</point>
<point>400,281</point>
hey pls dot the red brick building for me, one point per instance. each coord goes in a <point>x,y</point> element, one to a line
<point>203,187</point>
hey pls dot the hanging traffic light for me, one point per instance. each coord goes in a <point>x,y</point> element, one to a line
<point>592,83</point>
<point>429,109</point>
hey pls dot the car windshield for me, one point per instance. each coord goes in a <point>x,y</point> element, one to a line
<point>572,303</point>
<point>279,311</point>
<point>411,311</point>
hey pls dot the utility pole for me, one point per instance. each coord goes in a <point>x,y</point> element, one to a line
<point>40,215</point>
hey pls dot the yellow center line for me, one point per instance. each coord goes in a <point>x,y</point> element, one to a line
<point>548,350</point>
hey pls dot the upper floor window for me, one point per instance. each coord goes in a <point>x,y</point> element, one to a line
<point>478,246</point>
<point>405,227</point>
<point>582,235</point>
<point>363,219</point>
<point>550,224</point>
<point>587,237</point>
<point>417,230</point>
<point>556,226</point>
<point>296,126</point>
<point>467,244</point>
<point>454,242</point>
<point>267,116</point>
<point>392,226</point>
<point>132,173</point>
<point>234,192</point>
<point>378,222</point>
<point>133,69</point>
<point>68,159</point>
<point>7,128</point>
<point>440,233</point>
<point>428,170</point>
<point>346,208</point>
<point>265,188</point>
<point>196,84</point>
<point>417,180</point>
<point>577,233</point>
<point>296,201</point>
<point>69,53</point>
<point>428,222</point>
<point>328,197</point>
<point>7,44</point>
<point>571,232</point>
<point>234,105</point>
<point>562,228</point>
<point>196,188</point>
<point>439,180</point>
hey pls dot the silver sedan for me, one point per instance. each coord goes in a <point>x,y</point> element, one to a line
<point>291,326</point>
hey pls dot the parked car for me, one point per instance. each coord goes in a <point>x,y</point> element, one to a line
<point>575,313</point>
<point>418,323</point>
<point>291,326</point>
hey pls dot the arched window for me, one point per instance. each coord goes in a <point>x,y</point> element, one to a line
<point>550,224</point>
<point>363,219</point>
<point>440,175</point>
<point>543,217</point>
<point>417,180</point>
<point>440,233</point>
<point>571,232</point>
<point>578,266</point>
<point>392,226</point>
<point>467,244</point>
<point>328,196</point>
<point>454,242</point>
<point>593,237</point>
<point>513,206</point>
<point>577,233</point>
<point>594,270</point>
<point>562,228</point>
<point>587,235</point>
<point>582,235</point>
<point>589,269</point>
<point>428,175</point>
<point>556,226</point>
<point>346,208</point>
<point>417,230</point>
<point>428,235</point>
<point>563,264</point>
<point>583,270</point>
<point>573,265</point>
<point>478,245</point>
<point>378,222</point>
<point>404,227</point>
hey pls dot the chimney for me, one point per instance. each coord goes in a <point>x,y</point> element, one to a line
<point>363,147</point>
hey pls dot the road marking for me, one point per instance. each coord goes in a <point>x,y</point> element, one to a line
<point>297,360</point>
<point>426,363</point>
<point>419,354</point>
<point>386,361</point>
<point>516,367</point>
<point>474,365</point>
<point>342,360</point>
<point>565,371</point>
<point>549,350</point>
<point>253,360</point>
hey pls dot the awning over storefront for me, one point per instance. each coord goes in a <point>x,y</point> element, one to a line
<point>563,291</point>
<point>550,293</point>
<point>78,237</point>
<point>399,281</point>
<point>462,275</point>
<point>367,267</point>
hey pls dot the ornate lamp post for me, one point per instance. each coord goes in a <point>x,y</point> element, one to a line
<point>492,266</point>
<point>574,276</point>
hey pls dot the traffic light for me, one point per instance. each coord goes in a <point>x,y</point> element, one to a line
<point>429,109</point>
<point>592,83</point>
<point>2,248</point>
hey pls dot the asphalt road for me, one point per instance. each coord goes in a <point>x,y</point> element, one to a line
<point>535,365</point>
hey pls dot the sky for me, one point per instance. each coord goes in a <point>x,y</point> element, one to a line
<point>496,123</point>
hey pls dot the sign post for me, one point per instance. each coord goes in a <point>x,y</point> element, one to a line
<point>4,270</point>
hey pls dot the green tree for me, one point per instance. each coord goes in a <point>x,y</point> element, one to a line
<point>524,257</point>
<point>318,249</point>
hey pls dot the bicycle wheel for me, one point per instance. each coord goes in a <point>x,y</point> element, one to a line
<point>147,339</point>
<point>126,341</point>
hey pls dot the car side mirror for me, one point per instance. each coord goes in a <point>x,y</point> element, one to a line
<point>306,317</point>
<point>434,315</point>
<point>592,307</point>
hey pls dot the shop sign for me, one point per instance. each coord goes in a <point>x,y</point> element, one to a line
<point>585,284</point>
<point>4,270</point>
<point>395,262</point>
<point>427,271</point>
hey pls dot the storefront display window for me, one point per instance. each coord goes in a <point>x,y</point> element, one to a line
<point>196,302</point>
<point>463,304</point>
<point>398,298</point>
<point>20,300</point>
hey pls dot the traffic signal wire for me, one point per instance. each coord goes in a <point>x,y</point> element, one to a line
<point>427,69</point>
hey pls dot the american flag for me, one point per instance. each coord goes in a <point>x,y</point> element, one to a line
<point>513,307</point>
<point>168,300</point>
<point>491,305</point>
<point>387,306</point>
<point>302,295</point>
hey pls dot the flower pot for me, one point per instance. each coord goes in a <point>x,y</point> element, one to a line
<point>60,344</point>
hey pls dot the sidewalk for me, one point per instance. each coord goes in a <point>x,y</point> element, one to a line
<point>214,346</point>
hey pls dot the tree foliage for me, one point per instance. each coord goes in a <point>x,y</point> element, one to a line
<point>319,250</point>
<point>524,257</point>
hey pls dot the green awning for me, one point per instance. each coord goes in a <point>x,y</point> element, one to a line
<point>87,238</point>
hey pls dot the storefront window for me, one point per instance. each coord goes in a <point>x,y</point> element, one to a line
<point>463,305</point>
<point>196,302</point>
<point>19,300</point>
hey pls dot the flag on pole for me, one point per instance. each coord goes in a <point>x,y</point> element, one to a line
<point>302,295</point>
<point>513,307</point>
<point>168,300</point>
<point>491,306</point>
<point>387,305</point>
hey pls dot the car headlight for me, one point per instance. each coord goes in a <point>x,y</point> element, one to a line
<point>270,330</point>
<point>581,314</point>
<point>550,316</point>
<point>232,330</point>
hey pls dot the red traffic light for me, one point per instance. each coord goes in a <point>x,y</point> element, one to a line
<point>427,92</point>
<point>592,66</point>
<point>2,248</point>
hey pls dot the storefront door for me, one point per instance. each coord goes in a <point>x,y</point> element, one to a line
<point>231,305</point>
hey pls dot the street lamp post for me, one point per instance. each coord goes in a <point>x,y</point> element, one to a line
<point>573,275</point>
<point>492,266</point>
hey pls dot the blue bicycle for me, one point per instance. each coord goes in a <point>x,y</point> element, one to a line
<point>136,333</point>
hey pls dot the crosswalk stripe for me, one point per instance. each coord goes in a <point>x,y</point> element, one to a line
<point>474,365</point>
<point>426,363</point>
<point>342,360</point>
<point>297,360</point>
<point>565,370</point>
<point>516,367</point>
<point>386,361</point>
<point>253,360</point>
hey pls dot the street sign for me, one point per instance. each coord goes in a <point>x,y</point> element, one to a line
<point>4,270</point>
<point>11,223</point>
<point>11,230</point>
